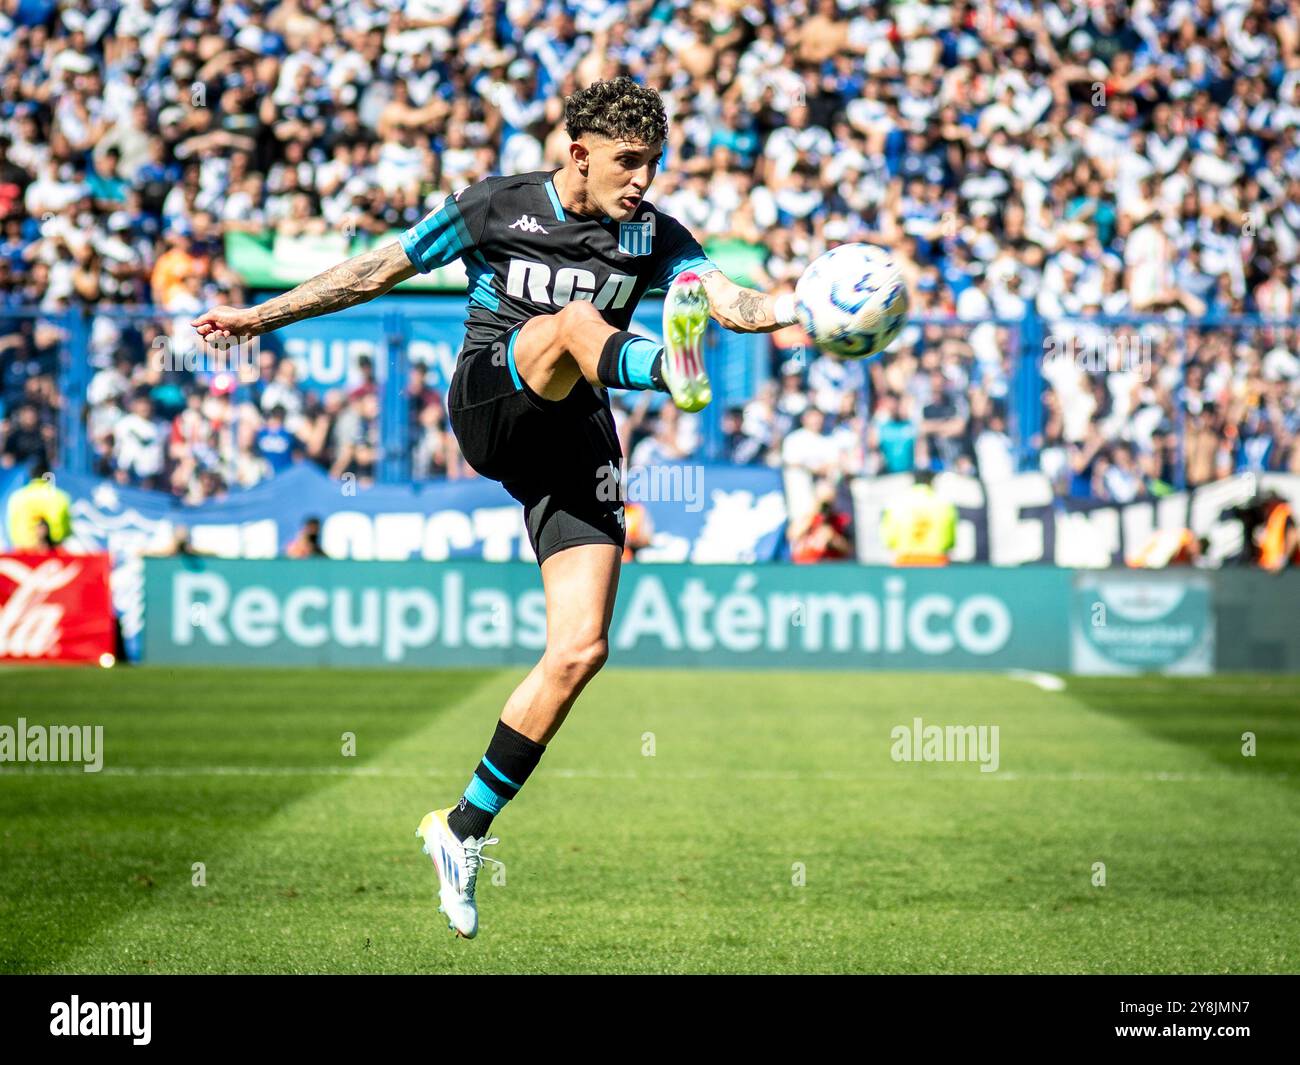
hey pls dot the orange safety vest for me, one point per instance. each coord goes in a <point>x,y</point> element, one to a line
<point>635,517</point>
<point>1272,547</point>
<point>1166,547</point>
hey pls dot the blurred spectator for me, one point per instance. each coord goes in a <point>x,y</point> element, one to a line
<point>42,540</point>
<point>809,448</point>
<point>640,530</point>
<point>919,526</point>
<point>1272,536</point>
<point>138,440</point>
<point>275,444</point>
<point>39,513</point>
<point>355,438</point>
<point>307,543</point>
<point>1168,547</point>
<point>894,435</point>
<point>822,535</point>
<point>25,440</point>
<point>737,446</point>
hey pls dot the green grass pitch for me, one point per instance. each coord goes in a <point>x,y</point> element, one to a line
<point>769,831</point>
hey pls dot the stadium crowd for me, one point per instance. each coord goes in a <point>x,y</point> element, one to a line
<point>1087,161</point>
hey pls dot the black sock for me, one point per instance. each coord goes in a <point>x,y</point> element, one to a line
<point>510,758</point>
<point>630,361</point>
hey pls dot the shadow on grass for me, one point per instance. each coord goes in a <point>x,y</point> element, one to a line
<point>1210,715</point>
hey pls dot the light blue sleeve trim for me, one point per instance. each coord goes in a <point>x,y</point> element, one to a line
<point>555,200</point>
<point>698,263</point>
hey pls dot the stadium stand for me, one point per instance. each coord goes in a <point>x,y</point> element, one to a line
<point>1125,174</point>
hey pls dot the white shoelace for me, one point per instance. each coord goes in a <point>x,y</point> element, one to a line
<point>474,858</point>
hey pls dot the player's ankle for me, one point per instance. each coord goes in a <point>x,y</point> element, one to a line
<point>466,820</point>
<point>510,759</point>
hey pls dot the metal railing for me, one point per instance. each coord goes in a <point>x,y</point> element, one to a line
<point>738,362</point>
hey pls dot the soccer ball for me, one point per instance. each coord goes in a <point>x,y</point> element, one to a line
<point>852,300</point>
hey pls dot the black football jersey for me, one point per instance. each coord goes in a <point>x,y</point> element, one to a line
<point>525,255</point>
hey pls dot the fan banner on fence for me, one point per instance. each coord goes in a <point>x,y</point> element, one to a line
<point>1020,520</point>
<point>55,607</point>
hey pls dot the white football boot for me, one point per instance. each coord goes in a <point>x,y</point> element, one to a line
<point>686,316</point>
<point>457,863</point>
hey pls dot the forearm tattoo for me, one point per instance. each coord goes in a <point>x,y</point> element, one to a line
<point>750,306</point>
<point>748,311</point>
<point>354,281</point>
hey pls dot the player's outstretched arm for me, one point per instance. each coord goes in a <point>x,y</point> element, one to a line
<point>745,310</point>
<point>356,280</point>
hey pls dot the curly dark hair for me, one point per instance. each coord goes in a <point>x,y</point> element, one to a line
<point>619,109</point>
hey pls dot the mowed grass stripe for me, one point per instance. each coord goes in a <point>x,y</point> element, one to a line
<point>78,850</point>
<point>964,776</point>
<point>618,860</point>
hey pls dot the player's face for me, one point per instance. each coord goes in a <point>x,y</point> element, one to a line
<point>620,173</point>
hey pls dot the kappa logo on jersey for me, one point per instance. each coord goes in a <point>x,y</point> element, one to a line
<point>637,238</point>
<point>528,224</point>
<point>531,280</point>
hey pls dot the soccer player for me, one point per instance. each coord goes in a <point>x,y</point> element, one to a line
<point>557,262</point>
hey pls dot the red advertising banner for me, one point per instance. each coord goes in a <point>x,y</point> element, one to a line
<point>55,608</point>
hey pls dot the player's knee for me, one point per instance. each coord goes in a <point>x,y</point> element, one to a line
<point>573,316</point>
<point>579,660</point>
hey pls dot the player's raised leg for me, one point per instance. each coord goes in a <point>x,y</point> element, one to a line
<point>552,351</point>
<point>580,584</point>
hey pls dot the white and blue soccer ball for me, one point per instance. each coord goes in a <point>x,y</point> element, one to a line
<point>852,300</point>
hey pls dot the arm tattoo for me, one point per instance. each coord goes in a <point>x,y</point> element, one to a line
<point>750,306</point>
<point>748,312</point>
<point>361,278</point>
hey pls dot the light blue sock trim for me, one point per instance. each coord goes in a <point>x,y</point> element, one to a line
<point>635,361</point>
<point>500,775</point>
<point>480,795</point>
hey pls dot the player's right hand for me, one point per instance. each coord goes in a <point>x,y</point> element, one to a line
<point>222,322</point>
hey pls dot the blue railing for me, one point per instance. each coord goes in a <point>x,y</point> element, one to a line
<point>738,363</point>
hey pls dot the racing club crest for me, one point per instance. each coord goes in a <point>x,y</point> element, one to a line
<point>636,238</point>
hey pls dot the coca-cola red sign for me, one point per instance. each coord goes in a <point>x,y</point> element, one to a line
<point>55,608</point>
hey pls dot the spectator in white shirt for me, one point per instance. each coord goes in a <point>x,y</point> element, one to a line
<point>138,441</point>
<point>809,448</point>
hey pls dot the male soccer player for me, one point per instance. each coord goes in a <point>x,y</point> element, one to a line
<point>557,262</point>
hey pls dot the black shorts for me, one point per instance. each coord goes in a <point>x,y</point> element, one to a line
<point>560,458</point>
